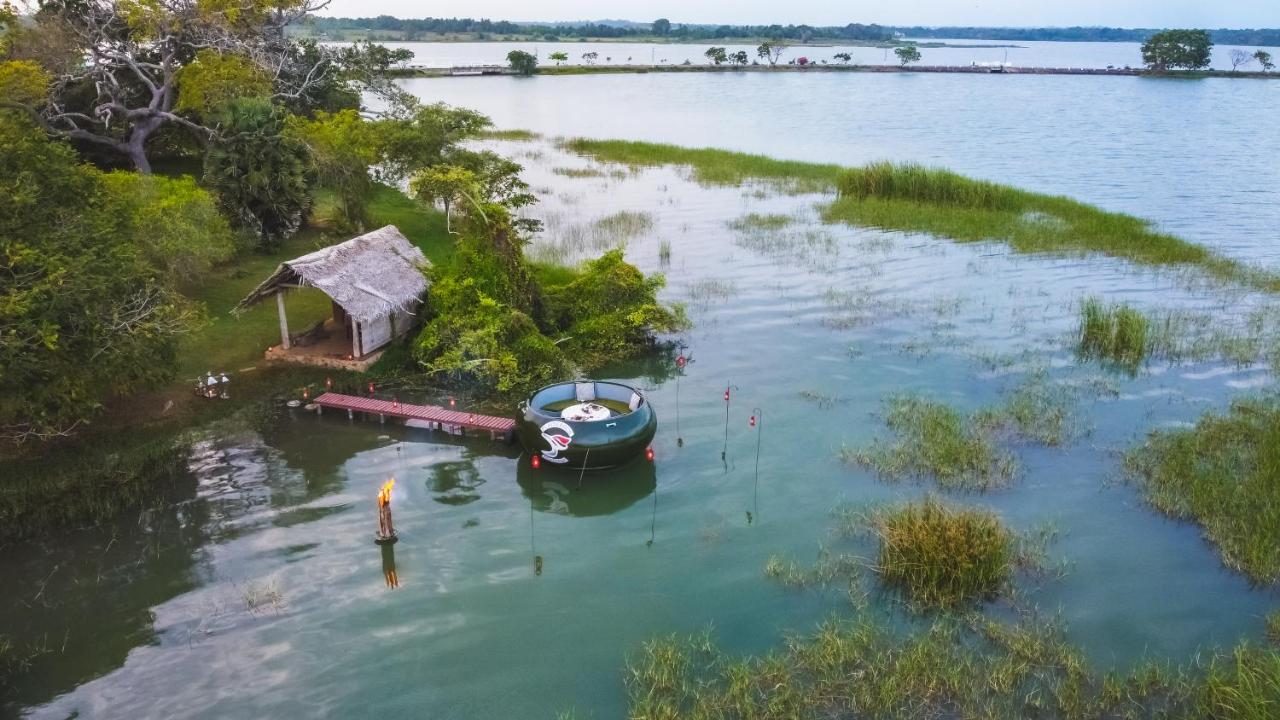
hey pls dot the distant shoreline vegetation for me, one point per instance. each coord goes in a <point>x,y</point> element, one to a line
<point>386,27</point>
<point>915,198</point>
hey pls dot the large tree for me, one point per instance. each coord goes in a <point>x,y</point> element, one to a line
<point>1187,49</point>
<point>142,65</point>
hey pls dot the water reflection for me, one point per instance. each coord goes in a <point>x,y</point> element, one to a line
<point>553,490</point>
<point>455,482</point>
<point>389,572</point>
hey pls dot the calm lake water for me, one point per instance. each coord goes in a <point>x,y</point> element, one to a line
<point>259,593</point>
<point>966,52</point>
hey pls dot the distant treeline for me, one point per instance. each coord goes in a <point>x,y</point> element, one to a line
<point>415,27</point>
<point>1224,36</point>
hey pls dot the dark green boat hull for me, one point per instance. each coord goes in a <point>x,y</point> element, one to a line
<point>596,445</point>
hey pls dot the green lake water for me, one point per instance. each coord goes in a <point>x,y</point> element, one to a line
<point>258,592</point>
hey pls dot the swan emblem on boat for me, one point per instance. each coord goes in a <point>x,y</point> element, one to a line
<point>557,442</point>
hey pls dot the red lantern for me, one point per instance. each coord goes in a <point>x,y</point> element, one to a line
<point>680,361</point>
<point>648,454</point>
<point>306,393</point>
<point>453,403</point>
<point>395,403</point>
<point>536,461</point>
<point>753,421</point>
<point>328,383</point>
<point>370,388</point>
<point>726,394</point>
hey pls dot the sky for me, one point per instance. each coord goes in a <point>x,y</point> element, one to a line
<point>1114,13</point>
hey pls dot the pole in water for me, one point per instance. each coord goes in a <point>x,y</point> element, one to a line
<point>757,422</point>
<point>680,363</point>
<point>386,530</point>
<point>725,450</point>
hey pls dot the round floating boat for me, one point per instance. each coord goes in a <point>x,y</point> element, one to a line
<point>586,424</point>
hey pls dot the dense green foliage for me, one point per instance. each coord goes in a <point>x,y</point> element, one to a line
<point>261,174</point>
<point>907,54</point>
<point>175,224</point>
<point>941,556</point>
<point>86,313</point>
<point>1225,475</point>
<point>610,312</point>
<point>1172,49</point>
<point>493,328</point>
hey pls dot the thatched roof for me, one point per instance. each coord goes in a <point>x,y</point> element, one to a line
<point>369,275</point>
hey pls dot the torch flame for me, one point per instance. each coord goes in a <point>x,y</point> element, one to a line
<point>384,495</point>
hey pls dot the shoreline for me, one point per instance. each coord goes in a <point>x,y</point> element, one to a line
<point>502,70</point>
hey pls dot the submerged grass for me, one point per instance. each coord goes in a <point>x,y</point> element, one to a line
<point>936,441</point>
<point>951,667</point>
<point>758,221</point>
<point>1224,474</point>
<point>916,198</point>
<point>960,452</point>
<point>513,135</point>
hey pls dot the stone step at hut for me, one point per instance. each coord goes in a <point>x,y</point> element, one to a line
<point>377,284</point>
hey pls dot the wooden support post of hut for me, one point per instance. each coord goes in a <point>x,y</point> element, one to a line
<point>376,284</point>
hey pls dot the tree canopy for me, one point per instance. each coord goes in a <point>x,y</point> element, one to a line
<point>86,312</point>
<point>1171,49</point>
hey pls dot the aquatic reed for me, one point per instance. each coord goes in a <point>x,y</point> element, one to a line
<point>1113,333</point>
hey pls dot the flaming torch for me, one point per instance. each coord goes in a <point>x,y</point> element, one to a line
<point>386,531</point>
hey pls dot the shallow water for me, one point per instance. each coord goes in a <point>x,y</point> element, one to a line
<point>261,593</point>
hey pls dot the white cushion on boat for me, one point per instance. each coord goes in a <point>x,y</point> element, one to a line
<point>635,401</point>
<point>585,391</point>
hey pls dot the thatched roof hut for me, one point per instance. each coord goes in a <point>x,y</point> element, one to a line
<point>376,282</point>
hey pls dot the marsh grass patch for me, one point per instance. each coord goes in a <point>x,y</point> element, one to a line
<point>952,666</point>
<point>1223,474</point>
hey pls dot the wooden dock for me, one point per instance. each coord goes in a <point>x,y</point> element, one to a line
<point>432,417</point>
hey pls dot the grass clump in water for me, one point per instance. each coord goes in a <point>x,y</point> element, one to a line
<point>1224,474</point>
<point>936,441</point>
<point>1113,333</point>
<point>621,226</point>
<point>1273,627</point>
<point>941,556</point>
<point>761,222</point>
